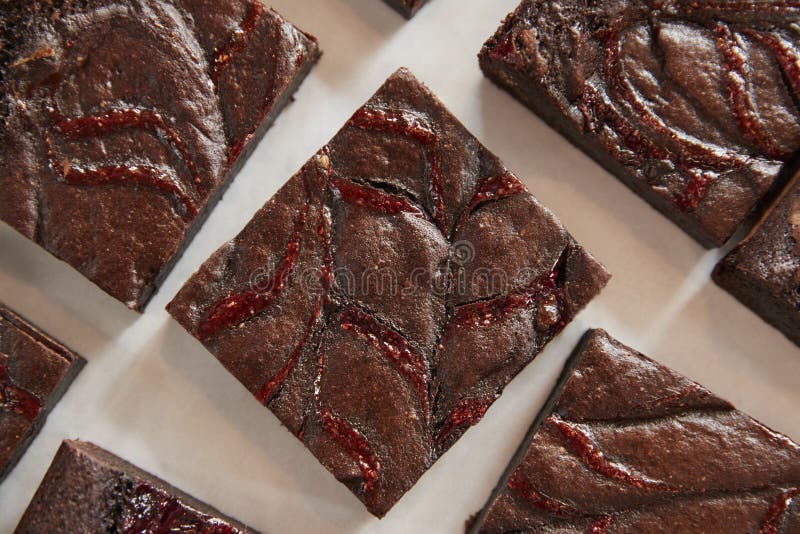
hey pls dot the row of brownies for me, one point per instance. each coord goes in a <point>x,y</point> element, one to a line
<point>623,445</point>
<point>405,187</point>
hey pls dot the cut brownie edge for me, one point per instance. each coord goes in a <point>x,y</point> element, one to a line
<point>88,489</point>
<point>49,399</point>
<point>407,8</point>
<point>474,523</point>
<point>754,272</point>
<point>283,101</point>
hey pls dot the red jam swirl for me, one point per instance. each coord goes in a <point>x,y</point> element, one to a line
<point>414,127</point>
<point>519,484</point>
<point>739,100</point>
<point>591,455</point>
<point>409,362</point>
<point>17,400</point>
<point>356,445</point>
<point>237,41</point>
<point>119,119</point>
<point>154,511</point>
<point>467,412</point>
<point>492,312</point>
<point>237,308</point>
<point>491,189</point>
<point>273,385</point>
<point>371,198</point>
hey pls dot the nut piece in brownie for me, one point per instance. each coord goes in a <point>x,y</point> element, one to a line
<point>627,445</point>
<point>122,123</point>
<point>88,489</point>
<point>386,295</point>
<point>763,271</point>
<point>692,104</point>
<point>407,8</point>
<point>35,372</point>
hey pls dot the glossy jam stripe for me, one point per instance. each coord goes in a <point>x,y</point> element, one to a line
<point>119,119</point>
<point>468,412</point>
<point>133,175</point>
<point>154,511</point>
<point>491,189</point>
<point>408,361</point>
<point>237,41</point>
<point>417,128</point>
<point>271,388</point>
<point>590,454</point>
<point>17,400</point>
<point>356,445</point>
<point>519,484</point>
<point>237,308</point>
<point>735,66</point>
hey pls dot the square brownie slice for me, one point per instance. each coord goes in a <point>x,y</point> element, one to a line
<point>385,296</point>
<point>35,372</point>
<point>763,271</point>
<point>407,8</point>
<point>123,122</point>
<point>627,445</point>
<point>692,104</point>
<point>88,489</point>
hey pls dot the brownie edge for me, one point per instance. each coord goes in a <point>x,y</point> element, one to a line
<point>763,271</point>
<point>407,8</point>
<point>88,489</point>
<point>35,372</point>
<point>625,444</point>
<point>620,80</point>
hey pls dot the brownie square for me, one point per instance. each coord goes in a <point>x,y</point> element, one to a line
<point>35,371</point>
<point>693,105</point>
<point>407,8</point>
<point>88,489</point>
<point>123,122</point>
<point>763,271</point>
<point>385,296</point>
<point>627,445</point>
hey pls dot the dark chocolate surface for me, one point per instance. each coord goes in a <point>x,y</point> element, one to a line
<point>407,8</point>
<point>88,489</point>
<point>35,371</point>
<point>385,296</point>
<point>694,105</point>
<point>763,271</point>
<point>628,445</point>
<point>122,123</point>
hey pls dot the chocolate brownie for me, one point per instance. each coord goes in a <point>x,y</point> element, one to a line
<point>88,489</point>
<point>386,295</point>
<point>763,271</point>
<point>627,445</point>
<point>407,8</point>
<point>692,104</point>
<point>122,123</point>
<point>35,371</point>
